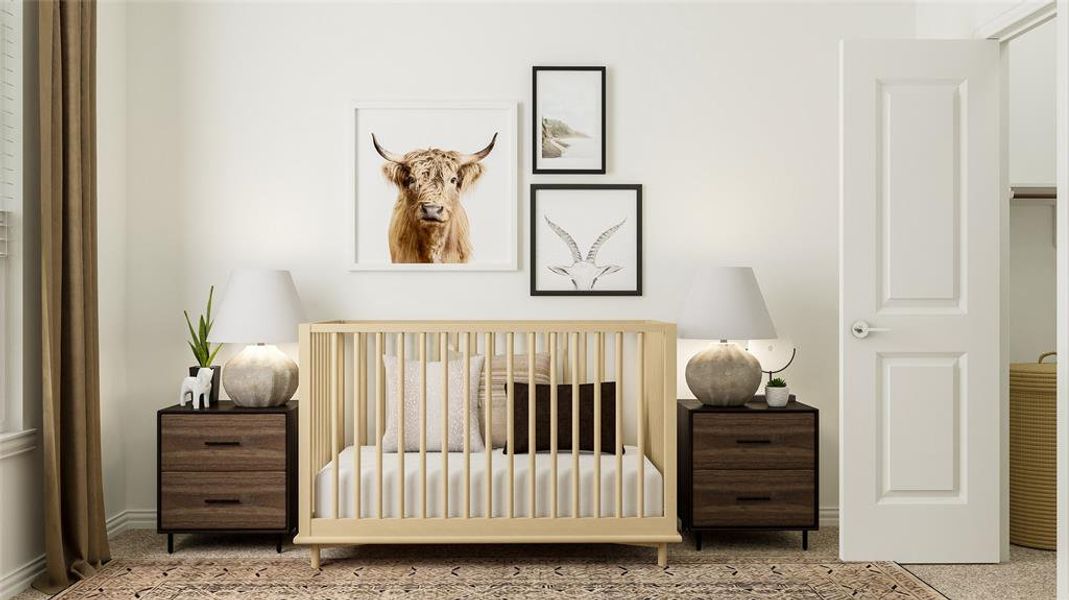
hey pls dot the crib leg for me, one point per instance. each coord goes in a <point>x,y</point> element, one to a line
<point>315,556</point>
<point>662,555</point>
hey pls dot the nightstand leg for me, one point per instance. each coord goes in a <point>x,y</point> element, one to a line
<point>170,543</point>
<point>278,544</point>
<point>805,539</point>
<point>662,555</point>
<point>698,541</point>
<point>315,556</point>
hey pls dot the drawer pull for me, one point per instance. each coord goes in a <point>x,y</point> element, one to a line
<point>227,443</point>
<point>222,501</point>
<point>753,441</point>
<point>753,499</point>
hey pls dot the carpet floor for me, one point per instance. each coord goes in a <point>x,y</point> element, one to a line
<point>732,567</point>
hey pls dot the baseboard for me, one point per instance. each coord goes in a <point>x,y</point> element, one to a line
<point>13,583</point>
<point>829,516</point>
<point>142,518</point>
<point>145,518</point>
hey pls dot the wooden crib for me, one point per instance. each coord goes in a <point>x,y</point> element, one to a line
<point>495,495</point>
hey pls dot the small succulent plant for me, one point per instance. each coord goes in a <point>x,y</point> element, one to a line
<point>198,342</point>
<point>777,383</point>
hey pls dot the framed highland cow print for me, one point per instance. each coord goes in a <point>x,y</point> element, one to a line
<point>434,186</point>
<point>586,240</point>
<point>568,127</point>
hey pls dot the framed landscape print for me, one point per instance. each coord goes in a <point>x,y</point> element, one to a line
<point>434,186</point>
<point>586,240</point>
<point>568,128</point>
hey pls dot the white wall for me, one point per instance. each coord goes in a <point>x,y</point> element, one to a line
<point>960,19</point>
<point>236,147</point>
<point>112,248</point>
<point>1031,109</point>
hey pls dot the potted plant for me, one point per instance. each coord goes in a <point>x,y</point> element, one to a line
<point>202,350</point>
<point>777,393</point>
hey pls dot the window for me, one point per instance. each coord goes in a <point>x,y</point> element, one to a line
<point>11,210</point>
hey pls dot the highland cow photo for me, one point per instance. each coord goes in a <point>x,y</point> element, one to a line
<point>435,186</point>
<point>568,120</point>
<point>586,240</point>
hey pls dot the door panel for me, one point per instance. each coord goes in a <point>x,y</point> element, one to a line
<point>921,389</point>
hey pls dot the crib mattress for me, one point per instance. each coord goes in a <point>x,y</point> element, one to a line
<point>653,492</point>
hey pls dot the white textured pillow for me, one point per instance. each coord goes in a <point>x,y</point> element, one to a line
<point>456,414</point>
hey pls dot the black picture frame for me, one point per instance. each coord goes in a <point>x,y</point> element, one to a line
<point>536,129</point>
<point>533,261</point>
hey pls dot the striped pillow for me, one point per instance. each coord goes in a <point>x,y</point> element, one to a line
<point>498,395</point>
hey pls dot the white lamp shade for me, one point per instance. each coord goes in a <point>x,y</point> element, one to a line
<point>725,303</point>
<point>259,307</point>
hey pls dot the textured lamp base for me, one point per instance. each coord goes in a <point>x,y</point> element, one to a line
<point>721,375</point>
<point>260,376</point>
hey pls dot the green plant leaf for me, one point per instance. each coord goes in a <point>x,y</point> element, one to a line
<point>196,354</point>
<point>777,382</point>
<point>192,334</point>
<point>211,359</point>
<point>202,327</point>
<point>211,292</point>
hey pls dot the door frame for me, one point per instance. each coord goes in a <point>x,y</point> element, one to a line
<point>1016,21</point>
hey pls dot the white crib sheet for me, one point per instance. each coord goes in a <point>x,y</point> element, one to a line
<point>324,496</point>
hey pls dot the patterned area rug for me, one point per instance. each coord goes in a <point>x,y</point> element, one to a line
<point>574,579</point>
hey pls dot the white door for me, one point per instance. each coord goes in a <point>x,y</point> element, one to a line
<point>921,386</point>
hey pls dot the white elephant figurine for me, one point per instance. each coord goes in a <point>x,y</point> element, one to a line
<point>197,388</point>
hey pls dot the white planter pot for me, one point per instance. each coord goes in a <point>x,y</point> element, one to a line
<point>777,397</point>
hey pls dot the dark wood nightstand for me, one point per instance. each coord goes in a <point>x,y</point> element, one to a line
<point>750,467</point>
<point>226,469</point>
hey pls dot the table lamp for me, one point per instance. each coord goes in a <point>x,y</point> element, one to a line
<point>724,303</point>
<point>260,308</point>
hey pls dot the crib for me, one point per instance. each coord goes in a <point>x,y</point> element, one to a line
<point>365,477</point>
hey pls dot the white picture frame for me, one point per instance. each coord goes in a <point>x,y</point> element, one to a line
<point>407,125</point>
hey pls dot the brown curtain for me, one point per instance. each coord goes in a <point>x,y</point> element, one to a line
<point>76,542</point>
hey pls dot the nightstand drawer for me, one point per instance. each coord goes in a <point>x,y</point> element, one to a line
<point>760,441</point>
<point>234,442</point>
<point>757,498</point>
<point>236,500</point>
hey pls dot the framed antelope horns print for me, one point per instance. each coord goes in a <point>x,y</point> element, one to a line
<point>586,240</point>
<point>434,186</point>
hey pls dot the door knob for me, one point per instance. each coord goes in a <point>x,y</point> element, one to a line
<point>861,329</point>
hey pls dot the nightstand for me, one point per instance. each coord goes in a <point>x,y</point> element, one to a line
<point>226,469</point>
<point>749,467</point>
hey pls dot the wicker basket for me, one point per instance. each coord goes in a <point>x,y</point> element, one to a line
<point>1033,444</point>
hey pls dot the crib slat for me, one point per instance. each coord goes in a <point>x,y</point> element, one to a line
<point>553,421</point>
<point>423,425</point>
<point>358,418</point>
<point>335,359</point>
<point>488,352</point>
<point>467,425</point>
<point>314,441</point>
<point>640,383</point>
<point>599,350</point>
<point>531,419</point>
<point>380,410</point>
<point>400,425</point>
<point>619,351</point>
<point>510,387</point>
<point>443,352</point>
<point>573,351</point>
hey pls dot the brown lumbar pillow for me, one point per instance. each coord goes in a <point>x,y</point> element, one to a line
<point>564,417</point>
